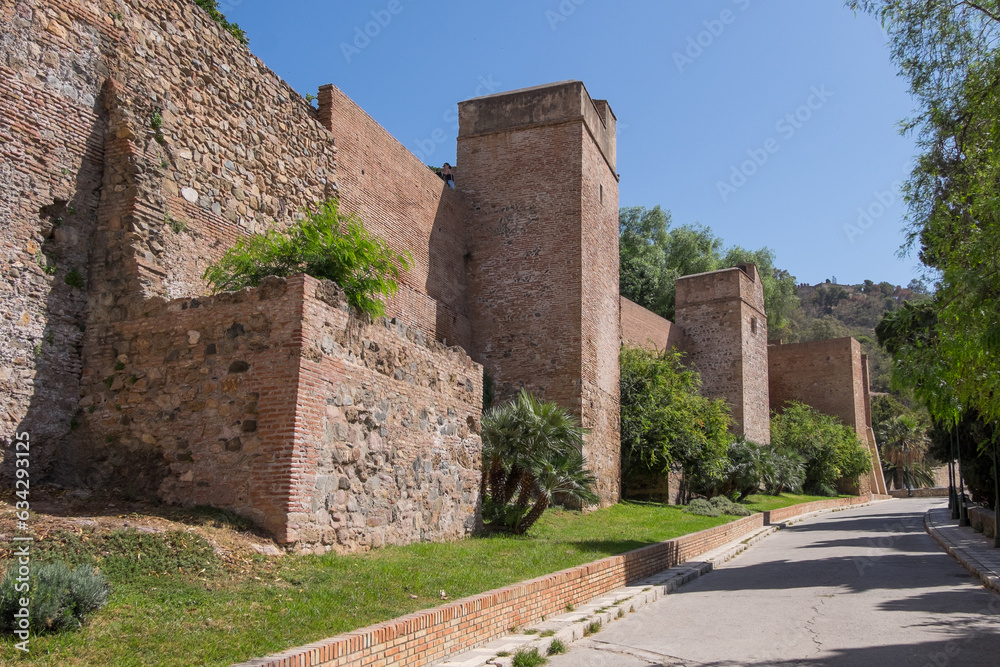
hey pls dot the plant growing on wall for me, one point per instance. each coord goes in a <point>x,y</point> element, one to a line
<point>212,7</point>
<point>531,456</point>
<point>325,244</point>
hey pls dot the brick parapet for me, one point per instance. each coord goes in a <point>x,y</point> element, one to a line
<point>404,202</point>
<point>644,328</point>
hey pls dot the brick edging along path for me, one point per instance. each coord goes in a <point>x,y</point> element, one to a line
<point>432,634</point>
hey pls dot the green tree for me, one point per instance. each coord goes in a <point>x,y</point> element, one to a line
<point>949,51</point>
<point>903,446</point>
<point>830,450</point>
<point>643,241</point>
<point>667,424</point>
<point>325,244</point>
<point>652,257</point>
<point>531,454</point>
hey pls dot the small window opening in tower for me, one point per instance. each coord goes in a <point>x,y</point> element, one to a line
<point>602,192</point>
<point>753,325</point>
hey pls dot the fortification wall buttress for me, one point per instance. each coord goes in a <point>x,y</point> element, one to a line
<point>536,168</point>
<point>722,313</point>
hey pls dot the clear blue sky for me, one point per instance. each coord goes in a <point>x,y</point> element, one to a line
<point>683,124</point>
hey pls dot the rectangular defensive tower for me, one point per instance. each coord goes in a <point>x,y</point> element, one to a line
<point>722,312</point>
<point>537,170</point>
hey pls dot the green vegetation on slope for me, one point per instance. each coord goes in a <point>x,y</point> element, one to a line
<point>173,602</point>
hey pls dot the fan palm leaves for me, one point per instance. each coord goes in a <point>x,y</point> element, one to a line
<point>531,454</point>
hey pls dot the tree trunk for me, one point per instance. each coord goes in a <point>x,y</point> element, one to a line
<point>527,487</point>
<point>490,476</point>
<point>511,486</point>
<point>536,512</point>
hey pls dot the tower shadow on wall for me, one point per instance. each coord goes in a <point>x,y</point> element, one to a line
<point>67,225</point>
<point>446,279</point>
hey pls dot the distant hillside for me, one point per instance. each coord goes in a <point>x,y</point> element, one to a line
<point>829,310</point>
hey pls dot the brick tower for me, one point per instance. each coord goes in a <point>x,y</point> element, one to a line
<point>537,169</point>
<point>722,313</point>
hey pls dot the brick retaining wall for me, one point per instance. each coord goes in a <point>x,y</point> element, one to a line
<point>936,492</point>
<point>427,636</point>
<point>785,513</point>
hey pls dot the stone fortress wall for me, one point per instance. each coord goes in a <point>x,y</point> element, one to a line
<point>138,141</point>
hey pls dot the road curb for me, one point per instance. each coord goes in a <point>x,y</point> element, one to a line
<point>965,557</point>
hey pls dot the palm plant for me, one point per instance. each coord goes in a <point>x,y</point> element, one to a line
<point>903,447</point>
<point>531,455</point>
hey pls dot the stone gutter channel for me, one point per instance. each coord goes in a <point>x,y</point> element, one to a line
<point>472,632</point>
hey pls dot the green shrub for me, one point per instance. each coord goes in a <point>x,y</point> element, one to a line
<point>60,598</point>
<point>702,507</point>
<point>592,628</point>
<point>212,7</point>
<point>727,506</point>
<point>666,422</point>
<point>751,466</point>
<point>326,244</point>
<point>528,657</point>
<point>531,455</point>
<point>829,450</point>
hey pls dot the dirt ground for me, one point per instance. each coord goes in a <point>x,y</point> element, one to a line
<point>55,511</point>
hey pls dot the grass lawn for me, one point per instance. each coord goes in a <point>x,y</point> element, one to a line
<point>178,604</point>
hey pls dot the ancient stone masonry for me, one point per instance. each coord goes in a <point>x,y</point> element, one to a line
<point>139,141</point>
<point>277,403</point>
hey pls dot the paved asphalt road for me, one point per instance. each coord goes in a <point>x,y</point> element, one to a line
<point>860,587</point>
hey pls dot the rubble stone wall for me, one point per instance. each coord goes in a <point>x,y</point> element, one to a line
<point>277,403</point>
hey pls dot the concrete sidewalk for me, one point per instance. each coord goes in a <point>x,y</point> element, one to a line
<point>973,550</point>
